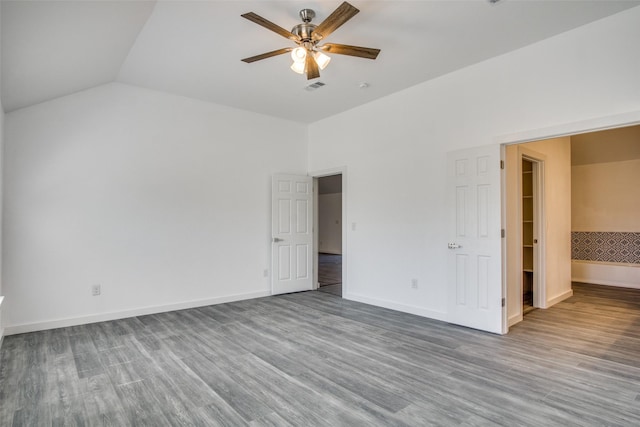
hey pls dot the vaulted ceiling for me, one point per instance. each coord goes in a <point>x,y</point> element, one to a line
<point>193,48</point>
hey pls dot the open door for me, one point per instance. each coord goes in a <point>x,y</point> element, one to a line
<point>474,260</point>
<point>292,232</point>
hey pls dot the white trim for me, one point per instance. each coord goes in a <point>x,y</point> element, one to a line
<point>615,283</point>
<point>590,125</point>
<point>503,247</point>
<point>612,264</point>
<point>539,284</point>
<point>329,172</point>
<point>418,311</point>
<point>516,318</point>
<point>315,242</point>
<point>342,170</point>
<point>606,273</point>
<point>563,296</point>
<point>82,320</point>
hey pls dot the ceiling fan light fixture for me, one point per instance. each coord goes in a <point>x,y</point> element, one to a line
<point>321,59</point>
<point>299,54</point>
<point>298,67</point>
<point>306,59</point>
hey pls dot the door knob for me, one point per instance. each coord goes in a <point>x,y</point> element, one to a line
<point>276,240</point>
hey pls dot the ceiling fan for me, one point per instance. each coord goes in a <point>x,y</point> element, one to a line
<point>308,57</point>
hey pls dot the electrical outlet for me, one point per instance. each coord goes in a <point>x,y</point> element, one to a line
<point>265,273</point>
<point>414,283</point>
<point>96,290</point>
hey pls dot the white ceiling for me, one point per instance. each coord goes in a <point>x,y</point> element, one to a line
<point>193,48</point>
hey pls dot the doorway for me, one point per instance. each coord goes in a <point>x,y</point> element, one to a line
<point>532,214</point>
<point>329,234</point>
<point>588,217</point>
<point>526,243</point>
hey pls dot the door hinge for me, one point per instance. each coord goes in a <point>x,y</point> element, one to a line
<point>501,164</point>
<point>502,233</point>
<point>503,302</point>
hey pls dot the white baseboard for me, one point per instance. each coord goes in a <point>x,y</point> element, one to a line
<point>563,296</point>
<point>418,311</point>
<point>102,317</point>
<point>606,282</point>
<point>516,318</point>
<point>609,274</point>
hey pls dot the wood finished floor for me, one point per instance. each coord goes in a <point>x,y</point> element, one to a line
<point>332,289</point>
<point>315,359</point>
<point>329,269</point>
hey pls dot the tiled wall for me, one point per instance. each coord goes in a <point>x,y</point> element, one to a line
<point>605,246</point>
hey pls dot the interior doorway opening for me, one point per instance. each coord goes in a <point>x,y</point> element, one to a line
<point>526,229</point>
<point>329,234</point>
<point>588,217</point>
<point>527,236</point>
<point>532,212</point>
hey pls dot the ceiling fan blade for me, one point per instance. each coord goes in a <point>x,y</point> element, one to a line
<point>267,55</point>
<point>345,49</point>
<point>342,14</point>
<point>313,72</point>
<point>270,25</point>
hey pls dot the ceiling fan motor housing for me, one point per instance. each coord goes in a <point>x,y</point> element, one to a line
<point>304,31</point>
<point>307,15</point>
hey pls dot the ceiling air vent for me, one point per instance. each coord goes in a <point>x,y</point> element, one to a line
<point>314,86</point>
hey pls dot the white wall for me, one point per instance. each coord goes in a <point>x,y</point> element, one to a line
<point>397,146</point>
<point>163,200</point>
<point>330,223</point>
<point>1,196</point>
<point>606,196</point>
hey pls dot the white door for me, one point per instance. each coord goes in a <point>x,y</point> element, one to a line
<point>474,250</point>
<point>292,233</point>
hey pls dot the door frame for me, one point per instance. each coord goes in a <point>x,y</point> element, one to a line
<point>320,174</point>
<point>631,118</point>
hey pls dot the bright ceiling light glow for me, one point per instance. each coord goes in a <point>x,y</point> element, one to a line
<point>298,67</point>
<point>322,59</point>
<point>299,54</point>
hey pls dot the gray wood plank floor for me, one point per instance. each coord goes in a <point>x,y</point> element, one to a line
<point>313,359</point>
<point>329,269</point>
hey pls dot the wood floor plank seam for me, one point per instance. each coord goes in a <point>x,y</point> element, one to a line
<point>316,359</point>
